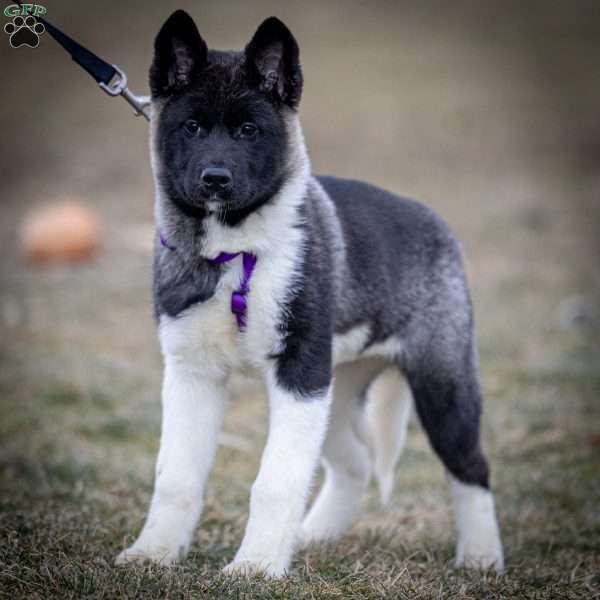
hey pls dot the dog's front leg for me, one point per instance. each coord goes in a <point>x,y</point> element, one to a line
<point>193,407</point>
<point>297,427</point>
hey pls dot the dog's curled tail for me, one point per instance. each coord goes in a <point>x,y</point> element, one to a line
<point>387,415</point>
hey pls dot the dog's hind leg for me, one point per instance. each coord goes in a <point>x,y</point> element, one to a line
<point>345,456</point>
<point>388,411</point>
<point>448,403</point>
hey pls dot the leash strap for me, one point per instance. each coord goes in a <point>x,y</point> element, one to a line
<point>110,78</point>
<point>99,69</point>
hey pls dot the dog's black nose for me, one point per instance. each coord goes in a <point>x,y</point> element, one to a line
<point>216,179</point>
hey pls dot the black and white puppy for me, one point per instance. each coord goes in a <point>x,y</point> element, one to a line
<point>334,282</point>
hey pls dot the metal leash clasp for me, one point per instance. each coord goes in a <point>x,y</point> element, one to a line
<point>118,87</point>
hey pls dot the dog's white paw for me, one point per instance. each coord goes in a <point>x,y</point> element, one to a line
<point>481,554</point>
<point>321,529</point>
<point>310,535</point>
<point>162,556</point>
<point>250,568</point>
<point>478,545</point>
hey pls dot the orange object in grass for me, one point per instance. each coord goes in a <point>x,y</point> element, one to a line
<point>64,231</point>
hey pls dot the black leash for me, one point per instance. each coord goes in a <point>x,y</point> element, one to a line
<point>109,77</point>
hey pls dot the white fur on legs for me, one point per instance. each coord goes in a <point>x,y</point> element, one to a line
<point>192,415</point>
<point>478,544</point>
<point>296,431</point>
<point>387,413</point>
<point>345,457</point>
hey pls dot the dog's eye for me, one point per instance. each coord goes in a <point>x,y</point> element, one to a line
<point>248,130</point>
<point>192,127</point>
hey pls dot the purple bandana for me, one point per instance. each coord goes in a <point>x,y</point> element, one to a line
<point>239,303</point>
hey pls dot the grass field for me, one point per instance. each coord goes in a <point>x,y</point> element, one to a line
<point>490,116</point>
<point>77,473</point>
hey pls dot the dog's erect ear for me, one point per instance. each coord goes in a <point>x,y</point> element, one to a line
<point>273,62</point>
<point>179,53</point>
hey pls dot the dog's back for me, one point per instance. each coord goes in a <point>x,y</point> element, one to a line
<point>401,261</point>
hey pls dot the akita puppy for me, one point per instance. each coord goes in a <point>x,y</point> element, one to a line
<point>318,284</point>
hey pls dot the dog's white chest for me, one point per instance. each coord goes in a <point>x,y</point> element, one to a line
<point>207,334</point>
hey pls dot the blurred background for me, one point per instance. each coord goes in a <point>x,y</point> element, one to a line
<point>487,111</point>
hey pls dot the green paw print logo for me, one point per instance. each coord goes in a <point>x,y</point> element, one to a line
<point>24,31</point>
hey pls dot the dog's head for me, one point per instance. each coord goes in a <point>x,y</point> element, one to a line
<point>221,134</point>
